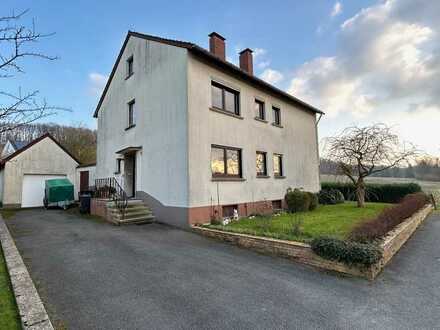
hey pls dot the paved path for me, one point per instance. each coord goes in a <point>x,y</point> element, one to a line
<point>96,276</point>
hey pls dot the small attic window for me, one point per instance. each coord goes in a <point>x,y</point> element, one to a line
<point>129,67</point>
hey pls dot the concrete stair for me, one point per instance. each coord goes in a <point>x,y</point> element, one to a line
<point>135,213</point>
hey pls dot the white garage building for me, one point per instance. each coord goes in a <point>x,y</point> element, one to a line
<point>23,173</point>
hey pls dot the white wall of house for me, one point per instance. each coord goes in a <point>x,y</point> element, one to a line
<point>159,87</point>
<point>297,141</point>
<point>43,158</point>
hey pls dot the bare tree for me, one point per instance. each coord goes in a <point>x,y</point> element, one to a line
<point>16,43</point>
<point>363,151</point>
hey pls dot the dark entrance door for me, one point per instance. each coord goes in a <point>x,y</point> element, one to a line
<point>130,174</point>
<point>83,180</point>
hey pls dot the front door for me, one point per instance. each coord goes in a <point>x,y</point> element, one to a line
<point>83,180</point>
<point>130,174</point>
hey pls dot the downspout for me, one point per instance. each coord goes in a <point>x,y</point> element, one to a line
<point>317,150</point>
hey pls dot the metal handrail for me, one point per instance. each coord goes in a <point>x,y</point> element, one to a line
<point>111,189</point>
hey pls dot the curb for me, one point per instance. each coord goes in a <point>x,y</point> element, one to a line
<point>33,315</point>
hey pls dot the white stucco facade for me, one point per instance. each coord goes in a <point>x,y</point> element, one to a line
<point>175,129</point>
<point>159,88</point>
<point>42,158</point>
<point>296,141</point>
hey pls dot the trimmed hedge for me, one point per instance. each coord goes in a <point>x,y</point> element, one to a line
<point>389,218</point>
<point>348,252</point>
<point>331,197</point>
<point>379,193</point>
<point>314,202</point>
<point>300,201</point>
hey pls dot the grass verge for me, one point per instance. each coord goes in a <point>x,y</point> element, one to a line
<point>9,318</point>
<point>335,221</point>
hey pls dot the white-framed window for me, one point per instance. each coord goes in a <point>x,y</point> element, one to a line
<point>131,114</point>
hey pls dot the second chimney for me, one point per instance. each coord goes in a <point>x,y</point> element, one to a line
<point>217,45</point>
<point>246,62</point>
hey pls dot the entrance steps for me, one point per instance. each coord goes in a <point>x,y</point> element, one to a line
<point>135,213</point>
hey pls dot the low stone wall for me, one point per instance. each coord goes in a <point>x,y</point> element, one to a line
<point>98,207</point>
<point>303,253</point>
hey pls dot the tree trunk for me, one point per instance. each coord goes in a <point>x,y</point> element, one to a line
<point>360,192</point>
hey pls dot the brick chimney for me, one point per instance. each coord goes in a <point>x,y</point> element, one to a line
<point>246,62</point>
<point>217,45</point>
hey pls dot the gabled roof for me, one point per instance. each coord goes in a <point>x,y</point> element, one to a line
<point>33,142</point>
<point>210,59</point>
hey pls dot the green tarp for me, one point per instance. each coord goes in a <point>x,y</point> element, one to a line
<point>59,190</point>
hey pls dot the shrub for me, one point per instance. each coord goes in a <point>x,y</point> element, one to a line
<point>350,253</point>
<point>383,193</point>
<point>389,218</point>
<point>313,201</point>
<point>297,225</point>
<point>297,200</point>
<point>330,197</point>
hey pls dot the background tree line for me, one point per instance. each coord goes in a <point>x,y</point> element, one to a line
<point>79,140</point>
<point>425,168</point>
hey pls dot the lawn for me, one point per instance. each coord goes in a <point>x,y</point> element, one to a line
<point>327,220</point>
<point>9,318</point>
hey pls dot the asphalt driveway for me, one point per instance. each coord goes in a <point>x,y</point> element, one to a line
<point>92,275</point>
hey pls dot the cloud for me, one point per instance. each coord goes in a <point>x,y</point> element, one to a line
<point>388,59</point>
<point>259,52</point>
<point>337,9</point>
<point>272,76</point>
<point>97,82</point>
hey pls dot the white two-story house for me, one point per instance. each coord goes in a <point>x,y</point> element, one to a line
<point>196,137</point>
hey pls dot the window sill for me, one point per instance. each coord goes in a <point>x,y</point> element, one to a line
<point>117,173</point>
<point>263,176</point>
<point>129,76</point>
<point>225,112</point>
<point>262,120</point>
<point>217,179</point>
<point>131,126</point>
<point>276,125</point>
<point>279,177</point>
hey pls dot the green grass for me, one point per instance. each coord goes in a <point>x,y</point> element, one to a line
<point>8,213</point>
<point>327,220</point>
<point>9,318</point>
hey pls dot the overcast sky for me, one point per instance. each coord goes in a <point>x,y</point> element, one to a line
<point>359,61</point>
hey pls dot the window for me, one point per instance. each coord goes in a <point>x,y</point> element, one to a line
<point>225,162</point>
<point>261,164</point>
<point>225,99</point>
<point>276,116</point>
<point>228,210</point>
<point>259,110</point>
<point>131,114</point>
<point>129,66</point>
<point>118,166</point>
<point>278,165</point>
<point>277,205</point>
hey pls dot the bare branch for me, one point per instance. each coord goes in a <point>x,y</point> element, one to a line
<point>363,151</point>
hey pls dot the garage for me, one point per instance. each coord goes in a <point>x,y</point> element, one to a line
<point>24,172</point>
<point>33,189</point>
